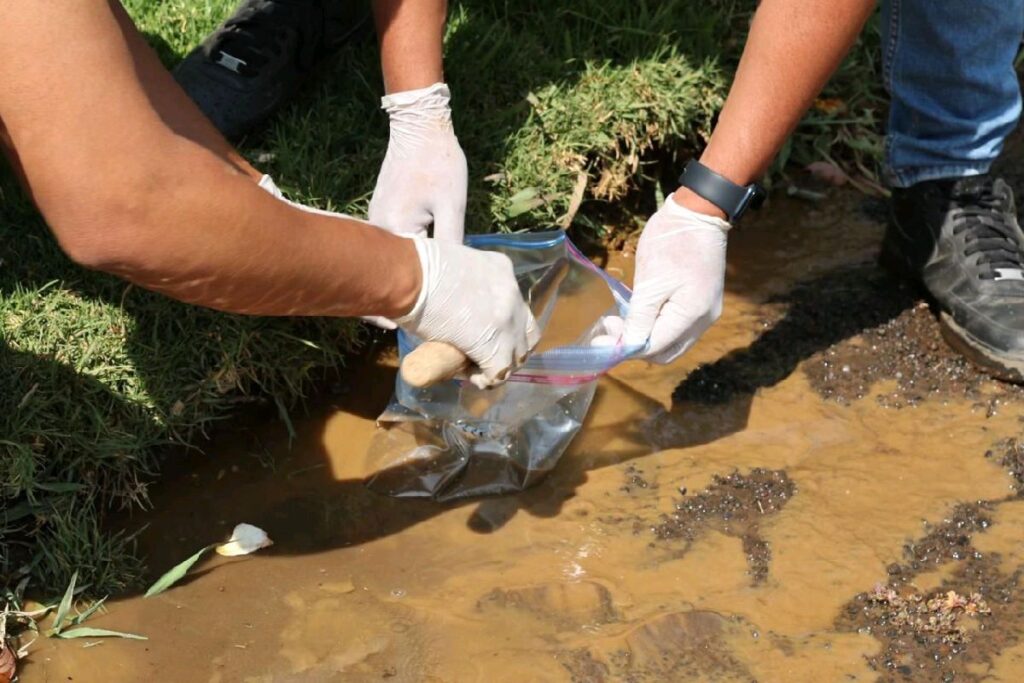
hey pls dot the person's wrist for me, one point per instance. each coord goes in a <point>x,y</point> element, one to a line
<point>689,199</point>
<point>434,95</point>
<point>410,281</point>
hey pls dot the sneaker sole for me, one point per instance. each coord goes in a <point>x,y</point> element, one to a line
<point>990,360</point>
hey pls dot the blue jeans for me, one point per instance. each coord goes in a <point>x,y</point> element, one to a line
<point>948,67</point>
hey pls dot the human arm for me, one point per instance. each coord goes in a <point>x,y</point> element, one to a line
<point>134,181</point>
<point>793,47</point>
<point>410,33</point>
<point>423,178</point>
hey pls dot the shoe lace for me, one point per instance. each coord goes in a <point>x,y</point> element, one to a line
<point>256,35</point>
<point>980,210</point>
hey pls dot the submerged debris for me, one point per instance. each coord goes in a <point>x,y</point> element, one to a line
<point>937,615</point>
<point>733,505</point>
<point>635,480</point>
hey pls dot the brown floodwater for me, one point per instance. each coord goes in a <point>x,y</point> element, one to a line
<point>794,500</point>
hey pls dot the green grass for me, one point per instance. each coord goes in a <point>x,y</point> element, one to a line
<point>568,112</point>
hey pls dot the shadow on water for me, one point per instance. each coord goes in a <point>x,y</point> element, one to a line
<point>819,314</point>
<point>310,509</point>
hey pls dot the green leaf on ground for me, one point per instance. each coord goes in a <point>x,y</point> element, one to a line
<point>176,573</point>
<point>90,632</point>
<point>65,606</point>
<point>80,619</point>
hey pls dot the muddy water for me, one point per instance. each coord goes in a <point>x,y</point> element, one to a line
<point>734,533</point>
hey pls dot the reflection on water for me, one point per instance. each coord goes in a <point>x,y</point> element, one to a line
<point>725,540</point>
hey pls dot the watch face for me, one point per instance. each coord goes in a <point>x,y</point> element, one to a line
<point>759,196</point>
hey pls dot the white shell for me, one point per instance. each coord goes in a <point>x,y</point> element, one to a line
<point>245,539</point>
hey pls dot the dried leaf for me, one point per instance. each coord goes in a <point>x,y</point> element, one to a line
<point>829,105</point>
<point>8,663</point>
<point>245,539</point>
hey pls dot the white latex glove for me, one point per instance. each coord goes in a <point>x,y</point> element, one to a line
<point>680,277</point>
<point>423,178</point>
<point>267,183</point>
<point>470,299</point>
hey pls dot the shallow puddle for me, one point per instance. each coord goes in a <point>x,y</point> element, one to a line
<point>735,532</point>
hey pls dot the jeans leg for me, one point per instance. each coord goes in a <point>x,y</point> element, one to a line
<point>948,67</point>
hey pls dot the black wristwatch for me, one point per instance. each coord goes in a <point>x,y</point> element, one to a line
<point>731,198</point>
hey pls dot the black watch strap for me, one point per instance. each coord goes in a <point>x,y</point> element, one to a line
<point>731,198</point>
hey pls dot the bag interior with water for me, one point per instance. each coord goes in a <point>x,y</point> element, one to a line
<point>453,440</point>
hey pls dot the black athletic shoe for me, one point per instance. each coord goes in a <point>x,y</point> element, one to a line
<point>960,239</point>
<point>260,57</point>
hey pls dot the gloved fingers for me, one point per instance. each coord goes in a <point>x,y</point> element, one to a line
<point>500,365</point>
<point>511,347</point>
<point>526,340</point>
<point>675,331</point>
<point>495,369</point>
<point>379,321</point>
<point>450,220</point>
<point>673,352</point>
<point>383,214</point>
<point>609,331</point>
<point>533,331</point>
<point>643,312</point>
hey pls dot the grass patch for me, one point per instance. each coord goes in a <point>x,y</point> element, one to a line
<point>563,108</point>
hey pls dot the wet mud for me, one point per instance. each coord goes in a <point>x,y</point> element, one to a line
<point>736,506</point>
<point>858,328</point>
<point>819,491</point>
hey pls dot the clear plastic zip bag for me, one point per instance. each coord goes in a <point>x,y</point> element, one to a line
<point>453,440</point>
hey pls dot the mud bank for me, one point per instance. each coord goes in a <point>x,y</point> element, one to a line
<point>794,500</point>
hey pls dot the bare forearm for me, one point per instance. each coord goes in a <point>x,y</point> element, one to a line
<point>793,48</point>
<point>133,180</point>
<point>410,33</point>
<point>220,241</point>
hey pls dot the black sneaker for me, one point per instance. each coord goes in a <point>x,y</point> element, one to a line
<point>260,57</point>
<point>960,239</point>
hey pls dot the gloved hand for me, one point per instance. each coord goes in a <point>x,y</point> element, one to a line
<point>680,277</point>
<point>423,178</point>
<point>470,299</point>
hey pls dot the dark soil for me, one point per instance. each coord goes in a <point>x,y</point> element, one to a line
<point>734,505</point>
<point>635,479</point>
<point>1011,456</point>
<point>855,328</point>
